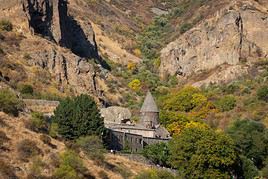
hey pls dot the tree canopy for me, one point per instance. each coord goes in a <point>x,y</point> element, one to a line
<point>78,116</point>
<point>251,139</point>
<point>200,152</point>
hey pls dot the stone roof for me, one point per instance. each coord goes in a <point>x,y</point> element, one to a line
<point>149,104</point>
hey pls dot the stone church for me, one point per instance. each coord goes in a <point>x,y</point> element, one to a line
<point>125,135</point>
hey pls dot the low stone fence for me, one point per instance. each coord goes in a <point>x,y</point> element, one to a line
<point>39,105</point>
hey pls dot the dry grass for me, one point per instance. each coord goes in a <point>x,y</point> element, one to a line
<point>16,132</point>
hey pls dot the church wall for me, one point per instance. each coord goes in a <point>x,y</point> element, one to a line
<point>133,142</point>
<point>145,133</point>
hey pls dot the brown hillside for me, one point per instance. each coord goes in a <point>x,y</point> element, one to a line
<point>15,131</point>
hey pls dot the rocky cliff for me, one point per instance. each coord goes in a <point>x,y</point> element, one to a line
<point>225,45</point>
<point>50,18</point>
<point>53,39</point>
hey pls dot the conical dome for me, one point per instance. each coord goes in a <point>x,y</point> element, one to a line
<point>149,104</point>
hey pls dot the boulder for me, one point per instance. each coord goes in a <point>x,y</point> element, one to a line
<point>115,115</point>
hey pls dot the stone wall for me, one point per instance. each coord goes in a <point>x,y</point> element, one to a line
<point>43,106</point>
<point>133,142</point>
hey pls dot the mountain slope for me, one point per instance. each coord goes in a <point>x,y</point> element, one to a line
<point>11,155</point>
<point>224,46</point>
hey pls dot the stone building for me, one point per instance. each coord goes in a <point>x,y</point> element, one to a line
<point>125,135</point>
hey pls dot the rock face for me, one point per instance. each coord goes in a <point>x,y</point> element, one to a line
<point>68,69</point>
<point>50,18</point>
<point>236,35</point>
<point>115,115</point>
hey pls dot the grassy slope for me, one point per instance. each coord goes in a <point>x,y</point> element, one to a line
<point>15,130</point>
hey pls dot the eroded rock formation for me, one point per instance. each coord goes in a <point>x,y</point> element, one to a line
<point>51,19</point>
<point>235,36</point>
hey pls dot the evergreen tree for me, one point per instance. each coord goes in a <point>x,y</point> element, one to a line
<point>77,117</point>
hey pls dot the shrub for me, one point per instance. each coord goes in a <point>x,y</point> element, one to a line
<point>262,93</point>
<point>3,139</point>
<point>37,123</point>
<point>155,174</point>
<point>93,147</point>
<point>70,167</point>
<point>6,25</point>
<point>157,153</point>
<point>77,117</point>
<point>36,169</point>
<point>45,139</point>
<point>53,130</point>
<point>9,102</point>
<point>185,27</point>
<point>7,171</point>
<point>27,149</point>
<point>248,168</point>
<point>26,89</point>
<point>135,85</point>
<point>103,175</point>
<point>226,103</point>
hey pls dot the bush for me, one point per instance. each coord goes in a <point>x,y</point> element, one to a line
<point>3,139</point>
<point>157,153</point>
<point>70,167</point>
<point>53,130</point>
<point>7,171</point>
<point>93,147</point>
<point>9,102</point>
<point>135,85</point>
<point>45,139</point>
<point>37,123</point>
<point>248,168</point>
<point>27,149</point>
<point>77,117</point>
<point>103,175</point>
<point>226,103</point>
<point>36,169</point>
<point>185,27</point>
<point>262,93</point>
<point>26,89</point>
<point>155,174</point>
<point>6,25</point>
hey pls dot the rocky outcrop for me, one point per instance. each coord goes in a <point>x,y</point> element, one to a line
<point>68,69</point>
<point>50,18</point>
<point>234,36</point>
<point>115,115</point>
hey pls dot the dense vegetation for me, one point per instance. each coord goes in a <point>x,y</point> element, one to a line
<point>218,131</point>
<point>78,117</point>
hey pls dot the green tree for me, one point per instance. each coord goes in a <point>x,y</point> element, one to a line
<point>157,153</point>
<point>203,153</point>
<point>251,139</point>
<point>77,117</point>
<point>184,100</point>
<point>249,170</point>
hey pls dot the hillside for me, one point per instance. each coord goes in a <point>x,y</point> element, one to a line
<point>17,159</point>
<point>222,47</point>
<point>204,61</point>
